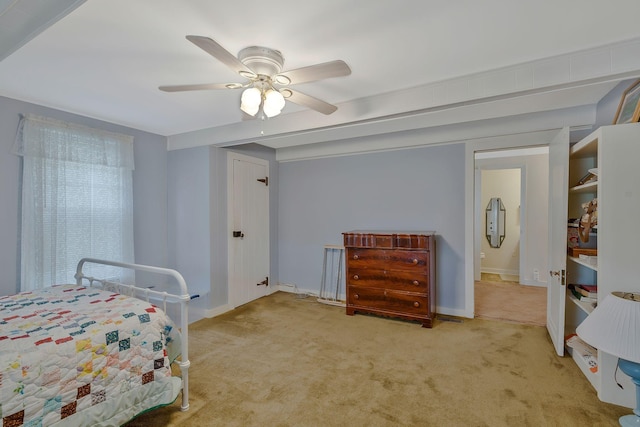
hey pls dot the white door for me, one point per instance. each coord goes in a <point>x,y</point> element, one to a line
<point>248,199</point>
<point>558,189</point>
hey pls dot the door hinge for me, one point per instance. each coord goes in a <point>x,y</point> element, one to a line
<point>264,180</point>
<point>264,282</point>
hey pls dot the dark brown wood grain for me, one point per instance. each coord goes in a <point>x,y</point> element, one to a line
<point>391,273</point>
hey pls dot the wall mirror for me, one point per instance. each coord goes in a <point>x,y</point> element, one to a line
<point>495,222</point>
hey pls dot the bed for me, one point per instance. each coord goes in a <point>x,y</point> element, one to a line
<point>93,353</point>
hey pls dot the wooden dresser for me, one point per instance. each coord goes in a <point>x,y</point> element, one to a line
<point>391,273</point>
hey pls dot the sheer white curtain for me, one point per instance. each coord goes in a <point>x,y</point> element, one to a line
<point>76,199</point>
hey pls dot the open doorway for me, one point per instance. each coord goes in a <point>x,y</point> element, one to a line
<point>508,283</point>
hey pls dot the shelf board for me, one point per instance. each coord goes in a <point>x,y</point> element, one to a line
<point>594,379</point>
<point>584,306</point>
<point>584,263</point>
<point>588,147</point>
<point>575,225</point>
<point>589,187</point>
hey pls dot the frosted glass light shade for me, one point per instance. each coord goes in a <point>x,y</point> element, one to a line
<point>250,101</point>
<point>273,103</point>
<point>614,326</point>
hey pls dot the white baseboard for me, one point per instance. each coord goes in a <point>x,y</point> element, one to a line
<point>294,289</point>
<point>534,283</point>
<point>500,271</point>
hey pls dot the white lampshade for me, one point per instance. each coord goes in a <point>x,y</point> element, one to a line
<point>250,101</point>
<point>614,326</point>
<point>273,103</point>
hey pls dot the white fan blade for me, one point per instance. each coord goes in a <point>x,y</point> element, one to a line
<point>221,54</point>
<point>312,73</point>
<point>205,86</point>
<point>309,101</point>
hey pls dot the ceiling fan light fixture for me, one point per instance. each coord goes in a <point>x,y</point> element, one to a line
<point>273,103</point>
<point>250,101</point>
<point>282,80</point>
<point>248,74</point>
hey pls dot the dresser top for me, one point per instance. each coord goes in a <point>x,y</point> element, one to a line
<point>391,232</point>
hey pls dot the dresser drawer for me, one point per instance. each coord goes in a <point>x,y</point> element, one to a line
<point>410,281</point>
<point>387,259</point>
<point>387,300</point>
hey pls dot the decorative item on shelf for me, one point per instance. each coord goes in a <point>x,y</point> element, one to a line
<point>629,108</point>
<point>614,328</point>
<point>588,219</point>
<point>590,176</point>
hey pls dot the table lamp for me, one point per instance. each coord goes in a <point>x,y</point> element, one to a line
<point>614,327</point>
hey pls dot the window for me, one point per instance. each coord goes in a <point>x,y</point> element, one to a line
<point>76,199</point>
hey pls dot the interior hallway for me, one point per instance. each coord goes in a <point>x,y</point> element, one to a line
<point>499,299</point>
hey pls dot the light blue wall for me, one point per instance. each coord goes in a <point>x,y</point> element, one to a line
<point>413,189</point>
<point>188,212</point>
<point>198,232</point>
<point>149,189</point>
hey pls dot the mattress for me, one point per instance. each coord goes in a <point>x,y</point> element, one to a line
<point>72,355</point>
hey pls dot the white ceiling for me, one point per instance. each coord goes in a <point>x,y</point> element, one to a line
<point>107,58</point>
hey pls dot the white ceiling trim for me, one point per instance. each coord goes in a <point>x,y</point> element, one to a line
<point>22,20</point>
<point>499,126</point>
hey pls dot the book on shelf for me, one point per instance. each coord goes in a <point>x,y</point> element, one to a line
<point>586,290</point>
<point>592,301</point>
<point>584,350</point>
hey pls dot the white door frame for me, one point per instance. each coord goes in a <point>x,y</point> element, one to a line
<point>483,144</point>
<point>231,157</point>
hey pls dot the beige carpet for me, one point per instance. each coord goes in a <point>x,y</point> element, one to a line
<point>509,301</point>
<point>285,361</point>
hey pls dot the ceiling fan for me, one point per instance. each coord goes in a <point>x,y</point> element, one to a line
<point>266,84</point>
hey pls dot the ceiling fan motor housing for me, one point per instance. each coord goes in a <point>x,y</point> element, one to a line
<point>262,60</point>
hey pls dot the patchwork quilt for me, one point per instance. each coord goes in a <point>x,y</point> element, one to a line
<point>67,349</point>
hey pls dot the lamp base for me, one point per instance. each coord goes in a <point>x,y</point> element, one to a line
<point>630,421</point>
<point>633,370</point>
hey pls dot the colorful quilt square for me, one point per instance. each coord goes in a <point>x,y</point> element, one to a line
<point>35,422</point>
<point>13,420</point>
<point>52,405</point>
<point>144,318</point>
<point>147,377</point>
<point>111,337</point>
<point>83,391</point>
<point>125,344</point>
<point>68,409</point>
<point>98,397</point>
<point>158,363</point>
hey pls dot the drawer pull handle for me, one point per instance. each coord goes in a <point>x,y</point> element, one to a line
<point>356,256</point>
<point>356,277</point>
<point>416,304</point>
<point>356,296</point>
<point>415,261</point>
<point>415,282</point>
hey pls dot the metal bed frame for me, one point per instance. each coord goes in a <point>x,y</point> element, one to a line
<point>146,293</point>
